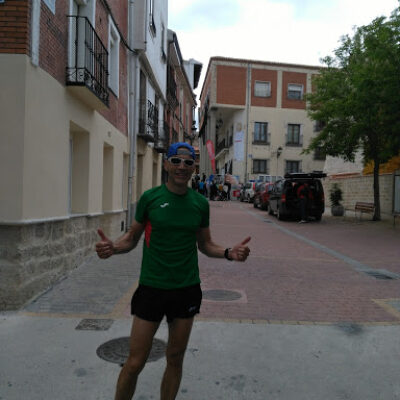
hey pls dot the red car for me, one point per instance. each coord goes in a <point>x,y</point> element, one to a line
<point>261,196</point>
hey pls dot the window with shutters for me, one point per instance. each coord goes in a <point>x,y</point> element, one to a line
<point>292,166</point>
<point>294,135</point>
<point>295,91</point>
<point>260,166</point>
<point>262,89</point>
<point>260,135</point>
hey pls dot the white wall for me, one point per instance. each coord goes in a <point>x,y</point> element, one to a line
<point>12,125</point>
<point>34,162</point>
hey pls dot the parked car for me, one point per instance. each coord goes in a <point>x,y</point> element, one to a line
<point>261,196</point>
<point>284,202</point>
<point>247,192</point>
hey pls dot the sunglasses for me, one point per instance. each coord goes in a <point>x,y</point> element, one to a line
<point>177,161</point>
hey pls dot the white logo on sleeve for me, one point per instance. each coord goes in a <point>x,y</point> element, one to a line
<point>164,205</point>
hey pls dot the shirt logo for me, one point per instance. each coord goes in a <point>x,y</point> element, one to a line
<point>164,205</point>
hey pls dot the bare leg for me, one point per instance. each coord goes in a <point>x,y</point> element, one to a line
<point>179,332</point>
<point>142,334</point>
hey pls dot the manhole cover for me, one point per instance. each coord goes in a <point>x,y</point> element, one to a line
<point>94,325</point>
<point>117,350</point>
<point>221,295</point>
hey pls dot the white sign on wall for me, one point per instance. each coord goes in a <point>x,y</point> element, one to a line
<point>238,146</point>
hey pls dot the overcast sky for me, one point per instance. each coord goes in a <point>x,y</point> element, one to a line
<point>290,31</point>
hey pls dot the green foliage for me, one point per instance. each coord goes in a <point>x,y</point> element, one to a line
<point>335,195</point>
<point>356,96</point>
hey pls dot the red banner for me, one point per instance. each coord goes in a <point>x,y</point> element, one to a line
<point>211,153</point>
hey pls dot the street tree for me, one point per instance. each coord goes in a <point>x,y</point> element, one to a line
<point>356,97</point>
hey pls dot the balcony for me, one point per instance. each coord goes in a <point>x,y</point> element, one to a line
<point>86,73</point>
<point>148,121</point>
<point>220,147</point>
<point>161,141</point>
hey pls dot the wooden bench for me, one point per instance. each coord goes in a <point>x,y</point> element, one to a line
<point>363,207</point>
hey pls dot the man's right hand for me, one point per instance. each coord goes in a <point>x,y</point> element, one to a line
<point>104,248</point>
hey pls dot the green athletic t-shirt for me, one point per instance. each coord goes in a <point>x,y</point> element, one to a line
<point>170,244</point>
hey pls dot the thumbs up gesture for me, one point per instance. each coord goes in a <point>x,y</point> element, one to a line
<point>240,251</point>
<point>105,247</point>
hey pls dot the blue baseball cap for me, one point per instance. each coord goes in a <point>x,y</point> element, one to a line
<point>173,150</point>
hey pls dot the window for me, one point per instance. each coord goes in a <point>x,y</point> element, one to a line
<point>295,91</point>
<point>113,57</point>
<point>262,89</point>
<point>294,136</point>
<point>319,154</point>
<point>78,193</point>
<point>293,166</point>
<point>260,166</point>
<point>125,178</point>
<point>261,132</point>
<point>319,125</point>
<point>108,172</point>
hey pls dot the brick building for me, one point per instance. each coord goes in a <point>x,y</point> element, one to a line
<point>83,103</point>
<point>63,136</point>
<point>183,78</point>
<point>254,114</point>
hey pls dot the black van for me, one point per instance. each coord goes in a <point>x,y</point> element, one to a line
<point>284,202</point>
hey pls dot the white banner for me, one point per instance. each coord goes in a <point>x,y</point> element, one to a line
<point>238,146</point>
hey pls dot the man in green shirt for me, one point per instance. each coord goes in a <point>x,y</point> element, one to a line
<point>175,219</point>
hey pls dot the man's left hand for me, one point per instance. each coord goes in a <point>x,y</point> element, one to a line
<point>240,252</point>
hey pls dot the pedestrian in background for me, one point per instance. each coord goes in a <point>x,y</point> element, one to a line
<point>228,186</point>
<point>302,193</point>
<point>175,220</point>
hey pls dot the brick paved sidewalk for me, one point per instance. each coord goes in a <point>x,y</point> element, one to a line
<point>308,273</point>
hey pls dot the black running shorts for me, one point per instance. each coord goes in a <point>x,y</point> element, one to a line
<point>151,304</point>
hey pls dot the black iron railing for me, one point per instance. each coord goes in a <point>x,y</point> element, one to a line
<point>152,117</point>
<point>220,146</point>
<point>88,59</point>
<point>161,141</point>
<point>148,120</point>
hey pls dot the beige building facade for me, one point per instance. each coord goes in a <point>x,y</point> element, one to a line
<point>64,144</point>
<point>83,111</point>
<point>254,114</point>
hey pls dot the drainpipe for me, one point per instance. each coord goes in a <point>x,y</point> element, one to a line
<point>35,32</point>
<point>132,74</point>
<point>248,99</point>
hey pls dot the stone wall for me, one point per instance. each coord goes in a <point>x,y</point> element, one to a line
<point>361,188</point>
<point>34,256</point>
